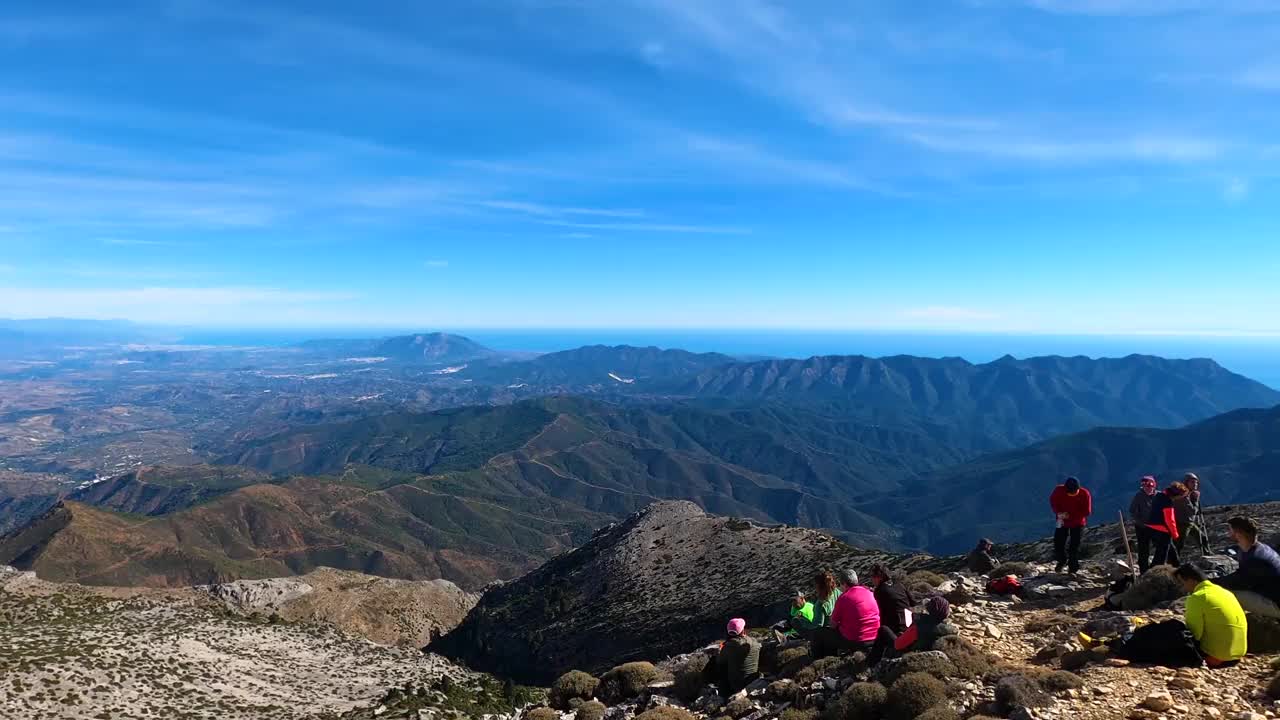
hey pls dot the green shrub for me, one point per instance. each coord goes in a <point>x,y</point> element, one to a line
<point>1020,569</point>
<point>1015,691</point>
<point>970,662</point>
<point>913,694</point>
<point>1061,680</point>
<point>1273,688</point>
<point>925,577</point>
<point>542,713</point>
<point>688,680</point>
<point>1048,623</point>
<point>626,681</point>
<point>590,710</point>
<point>573,684</point>
<point>739,706</point>
<point>826,667</point>
<point>939,712</point>
<point>936,664</point>
<point>862,701</point>
<point>1156,585</point>
<point>666,712</point>
<point>791,660</point>
<point>798,714</point>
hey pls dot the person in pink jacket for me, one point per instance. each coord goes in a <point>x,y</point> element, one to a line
<point>855,623</point>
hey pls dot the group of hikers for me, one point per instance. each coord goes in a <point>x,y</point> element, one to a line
<point>842,616</point>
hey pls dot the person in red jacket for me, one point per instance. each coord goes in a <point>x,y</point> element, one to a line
<point>1072,506</point>
<point>1164,521</point>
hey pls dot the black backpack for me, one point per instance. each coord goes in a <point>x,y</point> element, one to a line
<point>1169,643</point>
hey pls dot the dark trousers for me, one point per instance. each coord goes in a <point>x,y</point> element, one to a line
<point>828,641</point>
<point>1066,547</point>
<point>1166,552</point>
<point>1142,536</point>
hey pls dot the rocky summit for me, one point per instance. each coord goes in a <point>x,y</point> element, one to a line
<point>1013,657</point>
<point>648,586</point>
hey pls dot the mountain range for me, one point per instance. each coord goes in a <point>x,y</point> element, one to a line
<point>883,453</point>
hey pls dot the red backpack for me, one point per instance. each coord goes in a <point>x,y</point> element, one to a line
<point>1007,585</point>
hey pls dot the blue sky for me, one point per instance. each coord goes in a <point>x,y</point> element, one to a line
<point>1096,166</point>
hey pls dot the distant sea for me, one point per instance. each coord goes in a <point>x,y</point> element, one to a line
<point>1258,358</point>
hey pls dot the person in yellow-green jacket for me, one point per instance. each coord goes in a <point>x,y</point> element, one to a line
<point>1214,617</point>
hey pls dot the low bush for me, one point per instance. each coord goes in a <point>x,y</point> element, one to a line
<point>913,694</point>
<point>1273,688</point>
<point>939,712</point>
<point>688,678</point>
<point>826,667</point>
<point>590,710</point>
<point>1060,681</point>
<point>925,577</point>
<point>933,663</point>
<point>626,681</point>
<point>666,712</point>
<point>573,684</point>
<point>970,661</point>
<point>1156,586</point>
<point>799,714</point>
<point>862,701</point>
<point>1020,569</point>
<point>791,660</point>
<point>542,713</point>
<point>739,706</point>
<point>1015,691</point>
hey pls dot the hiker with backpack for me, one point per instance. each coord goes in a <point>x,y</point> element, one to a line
<point>1139,512</point>
<point>1163,521</point>
<point>1072,505</point>
<point>979,559</point>
<point>893,598</point>
<point>1256,582</point>
<point>1190,520</point>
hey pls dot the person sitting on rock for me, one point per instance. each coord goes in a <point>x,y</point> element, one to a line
<point>738,663</point>
<point>825,594</point>
<point>979,559</point>
<point>1256,583</point>
<point>855,624</point>
<point>1163,520</point>
<point>1072,505</point>
<point>893,599</point>
<point>1214,617</point>
<point>927,628</point>
<point>799,622</point>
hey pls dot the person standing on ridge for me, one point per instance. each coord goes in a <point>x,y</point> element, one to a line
<point>1163,520</point>
<point>1190,521</point>
<point>1139,512</point>
<point>1072,505</point>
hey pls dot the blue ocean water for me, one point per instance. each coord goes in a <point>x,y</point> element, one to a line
<point>1258,358</point>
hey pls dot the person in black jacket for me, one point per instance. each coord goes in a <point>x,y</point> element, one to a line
<point>1163,521</point>
<point>1140,513</point>
<point>892,597</point>
<point>1256,583</point>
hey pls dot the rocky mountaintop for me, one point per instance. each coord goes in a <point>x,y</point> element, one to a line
<point>231,653</point>
<point>649,586</point>
<point>435,347</point>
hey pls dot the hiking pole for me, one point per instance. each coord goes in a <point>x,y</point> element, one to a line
<point>1128,551</point>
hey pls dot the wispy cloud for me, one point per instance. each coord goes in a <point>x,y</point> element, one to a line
<point>163,304</point>
<point>1153,148</point>
<point>1264,76</point>
<point>948,313</point>
<point>544,210</point>
<point>653,227</point>
<point>1145,7</point>
<point>1235,190</point>
<point>766,165</point>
